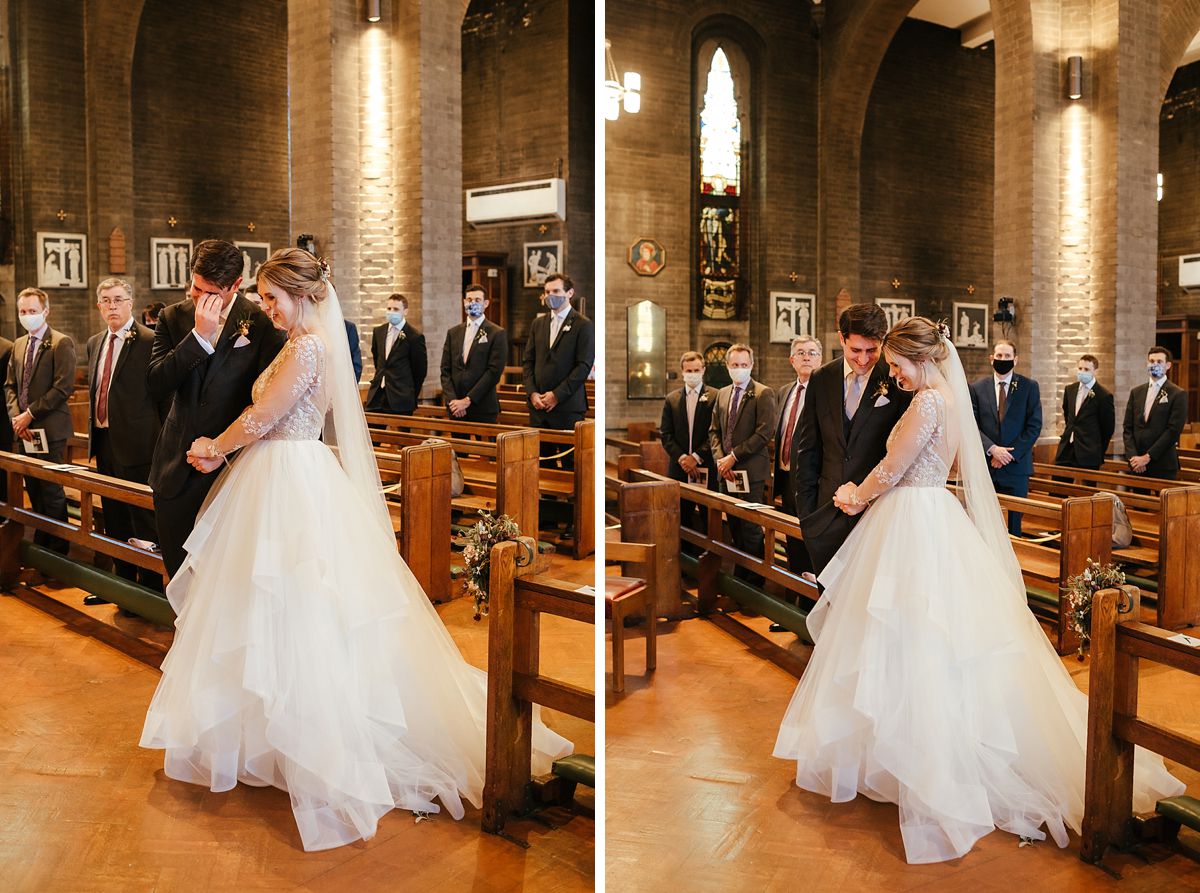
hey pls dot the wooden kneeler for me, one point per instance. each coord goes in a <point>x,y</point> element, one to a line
<point>629,597</point>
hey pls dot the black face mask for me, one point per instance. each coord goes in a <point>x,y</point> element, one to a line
<point>1003,367</point>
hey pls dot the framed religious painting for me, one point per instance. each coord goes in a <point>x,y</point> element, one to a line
<point>62,260</point>
<point>169,262</point>
<point>792,315</point>
<point>897,309</point>
<point>647,257</point>
<point>540,260</point>
<point>254,255</point>
<point>969,324</point>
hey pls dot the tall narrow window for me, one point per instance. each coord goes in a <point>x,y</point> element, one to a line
<point>720,191</point>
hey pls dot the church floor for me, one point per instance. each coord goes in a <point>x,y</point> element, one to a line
<point>83,808</point>
<point>694,800</point>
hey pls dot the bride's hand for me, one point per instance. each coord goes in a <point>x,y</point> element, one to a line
<point>205,466</point>
<point>844,497</point>
<point>200,448</point>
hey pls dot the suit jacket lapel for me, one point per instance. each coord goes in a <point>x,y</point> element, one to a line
<point>866,405</point>
<point>127,339</point>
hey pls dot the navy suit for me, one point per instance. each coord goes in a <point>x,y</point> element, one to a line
<point>355,349</point>
<point>1019,431</point>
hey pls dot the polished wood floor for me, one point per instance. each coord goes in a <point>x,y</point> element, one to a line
<point>83,808</point>
<point>694,800</point>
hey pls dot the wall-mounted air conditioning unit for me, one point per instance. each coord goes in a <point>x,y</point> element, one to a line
<point>1189,273</point>
<point>513,202</point>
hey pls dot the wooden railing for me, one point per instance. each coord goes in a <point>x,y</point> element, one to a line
<point>517,599</point>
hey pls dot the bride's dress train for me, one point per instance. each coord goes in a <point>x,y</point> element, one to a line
<point>931,686</point>
<point>306,655</point>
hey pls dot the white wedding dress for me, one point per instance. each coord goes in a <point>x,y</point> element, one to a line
<point>932,685</point>
<point>306,655</point>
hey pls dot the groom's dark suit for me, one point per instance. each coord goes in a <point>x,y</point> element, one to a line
<point>210,392</point>
<point>828,451</point>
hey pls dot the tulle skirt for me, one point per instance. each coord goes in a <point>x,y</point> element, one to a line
<point>306,656</point>
<point>932,686</point>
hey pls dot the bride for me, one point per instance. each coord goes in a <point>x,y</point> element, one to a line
<point>306,655</point>
<point>931,685</point>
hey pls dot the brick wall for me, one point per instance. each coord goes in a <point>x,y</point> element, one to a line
<point>929,225</point>
<point>527,83</point>
<point>1179,210</point>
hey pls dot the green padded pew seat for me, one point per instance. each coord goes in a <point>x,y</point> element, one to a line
<point>578,767</point>
<point>1182,810</point>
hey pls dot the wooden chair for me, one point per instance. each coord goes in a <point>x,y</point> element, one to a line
<point>628,597</point>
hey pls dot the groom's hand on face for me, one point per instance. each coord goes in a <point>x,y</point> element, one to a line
<point>208,316</point>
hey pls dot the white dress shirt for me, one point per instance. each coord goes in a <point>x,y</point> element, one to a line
<point>116,349</point>
<point>1007,379</point>
<point>849,374</point>
<point>1152,393</point>
<point>798,393</point>
<point>556,321</point>
<point>469,336</point>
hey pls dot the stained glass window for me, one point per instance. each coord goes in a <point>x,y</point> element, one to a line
<point>719,227</point>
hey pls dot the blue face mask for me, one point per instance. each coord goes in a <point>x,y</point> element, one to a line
<point>1085,378</point>
<point>395,317</point>
<point>1157,370</point>
<point>475,309</point>
<point>556,301</point>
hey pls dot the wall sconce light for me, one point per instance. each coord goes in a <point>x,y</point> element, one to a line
<point>618,94</point>
<point>372,10</point>
<point>1160,185</point>
<point>1074,77</point>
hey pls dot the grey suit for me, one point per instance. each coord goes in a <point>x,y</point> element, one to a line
<point>750,432</point>
<point>51,383</point>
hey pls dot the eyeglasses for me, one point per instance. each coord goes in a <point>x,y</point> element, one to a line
<point>113,302</point>
<point>807,353</point>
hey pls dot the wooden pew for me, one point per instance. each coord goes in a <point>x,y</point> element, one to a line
<point>518,596</point>
<point>631,595</point>
<point>1119,643</point>
<point>1166,524</point>
<point>577,485</point>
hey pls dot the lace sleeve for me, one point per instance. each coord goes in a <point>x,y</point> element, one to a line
<point>912,432</point>
<point>288,380</point>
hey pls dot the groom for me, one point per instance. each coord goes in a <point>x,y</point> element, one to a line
<point>208,350</point>
<point>851,407</point>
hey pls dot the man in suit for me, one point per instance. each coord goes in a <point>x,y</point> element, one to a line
<point>850,408</point>
<point>1008,411</point>
<point>805,358</point>
<point>1154,419</point>
<point>686,418</point>
<point>1089,419</point>
<point>398,352</point>
<point>123,419</point>
<point>473,360</point>
<point>355,349</point>
<point>41,379</point>
<point>6,430</point>
<point>208,350</point>
<point>558,357</point>
<point>742,423</point>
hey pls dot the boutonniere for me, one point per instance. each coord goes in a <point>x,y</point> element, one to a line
<point>130,334</point>
<point>881,390</point>
<point>567,327</point>
<point>1012,387</point>
<point>1162,397</point>
<point>703,398</point>
<point>243,329</point>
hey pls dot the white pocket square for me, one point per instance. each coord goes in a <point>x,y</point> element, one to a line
<point>242,341</point>
<point>882,401</point>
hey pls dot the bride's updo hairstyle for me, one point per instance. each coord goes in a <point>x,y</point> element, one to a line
<point>918,340</point>
<point>302,276</point>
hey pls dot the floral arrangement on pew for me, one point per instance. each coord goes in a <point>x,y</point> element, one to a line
<point>1081,589</point>
<point>487,532</point>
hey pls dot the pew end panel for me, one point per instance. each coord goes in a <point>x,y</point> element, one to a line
<point>1179,562</point>
<point>650,514</point>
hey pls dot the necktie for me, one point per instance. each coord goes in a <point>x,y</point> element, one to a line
<point>105,376</point>
<point>555,323</point>
<point>1080,397</point>
<point>727,440</point>
<point>789,429</point>
<point>469,339</point>
<point>1151,394</point>
<point>692,396</point>
<point>391,341</point>
<point>27,372</point>
<point>855,395</point>
<point>1002,404</point>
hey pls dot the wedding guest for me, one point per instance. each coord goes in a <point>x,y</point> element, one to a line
<point>741,428</point>
<point>355,348</point>
<point>251,292</point>
<point>123,419</point>
<point>1089,418</point>
<point>1154,418</point>
<point>150,313</point>
<point>806,355</point>
<point>401,361</point>
<point>6,430</point>
<point>473,360</point>
<point>41,379</point>
<point>1008,410</point>
<point>686,418</point>
<point>559,354</point>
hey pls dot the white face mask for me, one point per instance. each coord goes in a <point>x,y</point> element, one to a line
<point>32,321</point>
<point>739,376</point>
<point>693,379</point>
